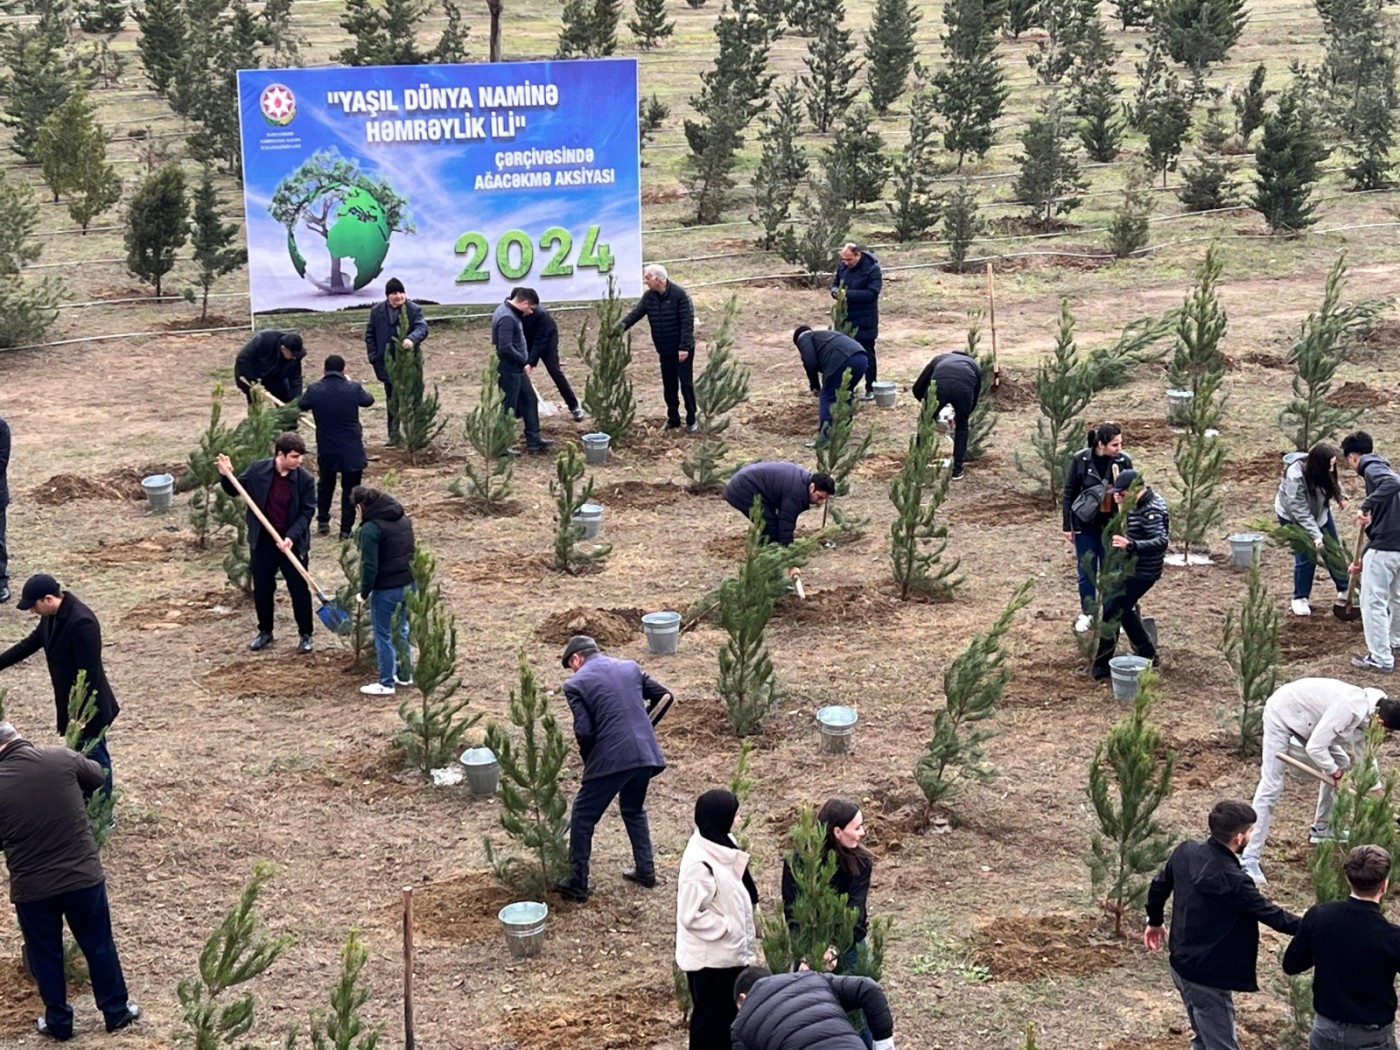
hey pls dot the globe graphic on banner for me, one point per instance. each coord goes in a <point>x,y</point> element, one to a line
<point>356,238</point>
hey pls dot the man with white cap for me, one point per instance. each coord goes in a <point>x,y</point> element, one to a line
<point>1330,716</point>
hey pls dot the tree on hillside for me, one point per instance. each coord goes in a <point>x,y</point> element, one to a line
<point>1198,33</point>
<point>1248,104</point>
<point>970,90</point>
<point>856,158</point>
<point>27,307</point>
<point>890,52</point>
<point>1049,177</point>
<point>915,208</point>
<point>1074,37</point>
<point>65,138</point>
<point>161,43</point>
<point>1210,182</point>
<point>589,28</point>
<point>651,26</point>
<point>824,222</point>
<point>782,166</point>
<point>101,16</point>
<point>38,80</point>
<point>832,67</point>
<point>212,239</point>
<point>1101,130</point>
<point>1358,81</point>
<point>1286,165</point>
<point>962,224</point>
<point>387,35</point>
<point>156,225</point>
<point>1063,388</point>
<point>1167,115</point>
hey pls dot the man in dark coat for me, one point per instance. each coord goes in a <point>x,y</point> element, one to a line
<point>513,366</point>
<point>542,337</point>
<point>56,876</point>
<point>71,638</point>
<point>395,324</point>
<point>273,359</point>
<point>785,489</point>
<point>612,703</point>
<point>671,316</point>
<point>386,577</point>
<point>1215,923</point>
<point>826,356</point>
<point>957,382</point>
<point>807,1011</point>
<point>335,402</point>
<point>860,274</point>
<point>4,503</point>
<point>285,492</point>
<point>1145,537</point>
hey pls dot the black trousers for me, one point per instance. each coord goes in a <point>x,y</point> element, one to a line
<point>4,551</point>
<point>674,373</point>
<point>868,344</point>
<point>961,400</point>
<point>266,562</point>
<point>381,373</point>
<point>712,1008</point>
<point>549,357</point>
<point>90,919</point>
<point>518,396</point>
<point>1123,607</point>
<point>328,469</point>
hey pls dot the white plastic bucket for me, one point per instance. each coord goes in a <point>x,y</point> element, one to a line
<point>663,631</point>
<point>595,448</point>
<point>589,518</point>
<point>523,924</point>
<point>884,391</point>
<point>160,491</point>
<point>838,726</point>
<point>483,770</point>
<point>1124,671</point>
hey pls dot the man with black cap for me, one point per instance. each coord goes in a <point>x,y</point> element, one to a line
<point>4,502</point>
<point>826,357</point>
<point>784,489</point>
<point>956,378</point>
<point>1145,541</point>
<point>395,324</point>
<point>71,638</point>
<point>616,706</point>
<point>335,401</point>
<point>273,359</point>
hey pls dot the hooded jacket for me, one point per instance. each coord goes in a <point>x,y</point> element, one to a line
<point>862,282</point>
<point>824,354</point>
<point>784,490</point>
<point>1148,530</point>
<point>671,316</point>
<point>714,916</point>
<point>807,1011</point>
<point>1297,503</point>
<point>1382,488</point>
<point>386,546</point>
<point>261,361</point>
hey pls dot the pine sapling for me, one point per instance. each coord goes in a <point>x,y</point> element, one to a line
<point>651,26</point>
<point>824,222</point>
<point>1249,641</point>
<point>201,474</point>
<point>1113,568</point>
<point>962,225</point>
<point>914,209</point>
<point>359,631</point>
<point>721,385</point>
<point>1063,388</point>
<point>1364,813</point>
<point>569,497</point>
<point>984,416</point>
<point>782,165</point>
<point>1199,456</point>
<point>416,412</point>
<point>821,919</point>
<point>1127,782</point>
<point>82,708</point>
<point>534,806</point>
<point>917,539</point>
<point>608,390</point>
<point>1129,228</point>
<point>489,430</point>
<point>839,450</point>
<point>343,1028</point>
<point>1112,365</point>
<point>973,685</point>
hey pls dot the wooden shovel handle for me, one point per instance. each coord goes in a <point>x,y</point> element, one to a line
<point>1311,771</point>
<point>276,536</point>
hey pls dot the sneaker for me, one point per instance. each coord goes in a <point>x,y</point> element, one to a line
<point>402,681</point>
<point>4,593</point>
<point>1251,868</point>
<point>1301,607</point>
<point>323,528</point>
<point>1319,833</point>
<point>959,474</point>
<point>133,1013</point>
<point>674,426</point>
<point>377,689</point>
<point>578,415</point>
<point>539,447</point>
<point>1341,598</point>
<point>1083,623</point>
<point>869,395</point>
<point>42,1027</point>
<point>1369,663</point>
<point>571,892</point>
<point>260,641</point>
<point>305,645</point>
<point>692,428</point>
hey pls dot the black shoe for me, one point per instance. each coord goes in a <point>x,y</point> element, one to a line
<point>4,593</point>
<point>392,443</point>
<point>43,1028</point>
<point>540,446</point>
<point>344,536</point>
<point>673,426</point>
<point>261,642</point>
<point>305,645</point>
<point>133,1013</point>
<point>323,528</point>
<point>571,892</point>
<point>959,474</point>
<point>646,880</point>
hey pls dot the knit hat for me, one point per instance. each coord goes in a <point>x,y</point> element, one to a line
<point>293,342</point>
<point>392,286</point>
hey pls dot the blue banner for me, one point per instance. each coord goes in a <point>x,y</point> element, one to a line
<point>463,181</point>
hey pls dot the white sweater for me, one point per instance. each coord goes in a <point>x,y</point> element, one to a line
<point>1329,715</point>
<point>714,915</point>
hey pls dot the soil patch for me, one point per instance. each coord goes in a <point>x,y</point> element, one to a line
<point>290,675</point>
<point>849,604</point>
<point>19,999</point>
<point>1266,466</point>
<point>637,495</point>
<point>133,552</point>
<point>1052,675</point>
<point>1319,636</point>
<point>788,419</point>
<point>1357,395</point>
<point>651,440</point>
<point>455,910</point>
<point>609,627</point>
<point>1031,947</point>
<point>1014,392</point>
<point>123,484</point>
<point>502,568</point>
<point>1010,508</point>
<point>1383,336</point>
<point>1017,224</point>
<point>1083,258</point>
<point>1263,359</point>
<point>108,292</point>
<point>458,509</point>
<point>1147,432</point>
<point>188,324</point>
<point>1202,763</point>
<point>882,466</point>
<point>627,1019</point>
<point>173,611</point>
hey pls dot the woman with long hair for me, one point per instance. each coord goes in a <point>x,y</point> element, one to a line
<point>1094,467</point>
<point>1304,499</point>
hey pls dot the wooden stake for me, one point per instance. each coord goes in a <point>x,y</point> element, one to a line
<point>992,317</point>
<point>408,967</point>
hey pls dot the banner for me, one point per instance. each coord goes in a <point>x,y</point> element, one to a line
<point>463,181</point>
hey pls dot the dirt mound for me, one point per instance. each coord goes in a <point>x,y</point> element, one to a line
<point>1266,466</point>
<point>1052,675</point>
<point>1384,335</point>
<point>787,419</point>
<point>850,604</point>
<point>19,999</point>
<point>730,548</point>
<point>1357,395</point>
<point>1319,636</point>
<point>1202,763</point>
<point>287,676</point>
<point>637,495</point>
<point>882,466</point>
<point>1032,947</point>
<point>1014,392</point>
<point>1147,432</point>
<point>651,440</point>
<point>123,484</point>
<point>455,910</point>
<point>608,626</point>
<point>133,552</point>
<point>173,610</point>
<point>502,568</point>
<point>1010,508</point>
<point>1078,257</point>
<point>457,509</point>
<point>1263,360</point>
<point>627,1019</point>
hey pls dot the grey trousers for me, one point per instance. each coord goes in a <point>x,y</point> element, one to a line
<point>1380,604</point>
<point>1210,1012</point>
<point>1328,1034</point>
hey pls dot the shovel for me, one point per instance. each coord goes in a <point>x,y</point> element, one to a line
<point>336,619</point>
<point>1314,772</point>
<point>1349,612</point>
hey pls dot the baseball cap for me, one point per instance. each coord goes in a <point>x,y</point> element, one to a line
<point>40,585</point>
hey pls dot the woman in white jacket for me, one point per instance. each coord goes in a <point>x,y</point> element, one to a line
<point>715,933</point>
<point>1305,494</point>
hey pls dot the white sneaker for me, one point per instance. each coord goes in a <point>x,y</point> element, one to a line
<point>1301,607</point>
<point>1320,833</point>
<point>377,689</point>
<point>1082,625</point>
<point>402,681</point>
<point>1251,868</point>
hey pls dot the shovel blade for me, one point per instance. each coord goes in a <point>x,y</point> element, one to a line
<point>1346,613</point>
<point>335,619</point>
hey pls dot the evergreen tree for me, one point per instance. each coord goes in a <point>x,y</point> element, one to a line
<point>489,429</point>
<point>782,167</point>
<point>1364,813</point>
<point>433,729</point>
<point>962,224</point>
<point>590,28</point>
<point>1210,183</point>
<point>63,140</point>
<point>915,208</point>
<point>1129,229</point>
<point>651,112</point>
<point>1112,364</point>
<point>161,42</point>
<point>839,450</point>
<point>1249,641</point>
<point>973,685</point>
<point>534,805</point>
<point>568,498</point>
<point>359,631</point>
<point>157,225</point>
<point>202,475</point>
<point>1286,165</point>
<point>970,91</point>
<point>721,385</point>
<point>1049,175</point>
<point>212,238</point>
<point>417,413</point>
<point>82,708</point>
<point>1132,13</point>
<point>918,540</point>
<point>97,189</point>
<point>343,1028</point>
<point>1198,33</point>
<point>1248,104</point>
<point>1127,782</point>
<point>738,87</point>
<point>708,173</point>
<point>890,52</point>
<point>651,26</point>
<point>1101,131</point>
<point>855,160</point>
<point>608,389</point>
<point>1150,73</point>
<point>1062,389</point>
<point>1167,115</point>
<point>101,16</point>
<point>984,416</point>
<point>283,41</point>
<point>825,217</point>
<point>387,35</point>
<point>1074,35</point>
<point>37,81</point>
<point>1020,16</point>
<point>830,80</point>
<point>1357,78</point>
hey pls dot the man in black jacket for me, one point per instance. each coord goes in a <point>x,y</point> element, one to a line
<point>1147,532</point>
<point>1379,568</point>
<point>71,638</point>
<point>957,382</point>
<point>807,1010</point>
<point>1215,923</point>
<point>273,359</point>
<point>395,324</point>
<point>285,492</point>
<point>859,273</point>
<point>4,503</point>
<point>1354,953</point>
<point>826,357</point>
<point>671,315</point>
<point>335,401</point>
<point>542,337</point>
<point>785,490</point>
<point>513,366</point>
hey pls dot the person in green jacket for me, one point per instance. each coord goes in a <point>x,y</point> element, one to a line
<point>386,577</point>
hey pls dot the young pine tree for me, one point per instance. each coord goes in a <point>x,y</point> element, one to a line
<point>918,540</point>
<point>201,474</point>
<point>433,729</point>
<point>1209,183</point>
<point>825,215</point>
<point>1364,813</point>
<point>840,449</point>
<point>1286,165</point>
<point>1063,389</point>
<point>782,166</point>
<point>914,209</point>
<point>1166,111</point>
<point>1198,33</point>
<point>359,631</point>
<point>1101,130</point>
<point>64,140</point>
<point>830,81</point>
<point>962,224</point>
<point>1129,229</point>
<point>651,26</point>
<point>534,805</point>
<point>82,708</point>
<point>1249,641</point>
<point>1049,177</point>
<point>568,498</point>
<point>1248,103</point>
<point>721,385</point>
<point>1127,782</point>
<point>164,30</point>
<point>417,413</point>
<point>973,685</point>
<point>970,89</point>
<point>984,416</point>
<point>821,919</point>
<point>608,389</point>
<point>856,158</point>
<point>212,239</point>
<point>489,430</point>
<point>890,52</point>
<point>157,225</point>
<point>343,1027</point>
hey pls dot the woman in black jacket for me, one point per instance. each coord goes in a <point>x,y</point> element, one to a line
<point>1144,539</point>
<point>1099,463</point>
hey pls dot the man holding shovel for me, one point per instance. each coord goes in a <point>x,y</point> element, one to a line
<point>285,492</point>
<point>1379,568</point>
<point>273,359</point>
<point>1330,717</point>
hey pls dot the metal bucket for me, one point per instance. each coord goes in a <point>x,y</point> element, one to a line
<point>663,631</point>
<point>1179,407</point>
<point>483,770</point>
<point>838,726</point>
<point>589,518</point>
<point>523,923</point>
<point>1124,671</point>
<point>1244,546</point>
<point>160,491</point>
<point>884,391</point>
<point>595,448</point>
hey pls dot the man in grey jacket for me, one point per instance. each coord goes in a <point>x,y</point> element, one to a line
<point>614,703</point>
<point>807,1011</point>
<point>513,364</point>
<point>1380,567</point>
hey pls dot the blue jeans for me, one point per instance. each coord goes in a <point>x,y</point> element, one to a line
<point>103,758</point>
<point>594,796</point>
<point>41,923</point>
<point>1210,1012</point>
<point>1304,568</point>
<point>1090,542</point>
<point>392,654</point>
<point>857,364</point>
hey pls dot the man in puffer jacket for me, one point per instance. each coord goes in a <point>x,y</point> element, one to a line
<point>860,274</point>
<point>1380,566</point>
<point>671,315</point>
<point>1148,529</point>
<point>807,1011</point>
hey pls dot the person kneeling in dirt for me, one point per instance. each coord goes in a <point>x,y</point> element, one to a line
<point>273,359</point>
<point>826,357</point>
<point>957,382</point>
<point>806,1010</point>
<point>785,490</point>
<point>1216,914</point>
<point>1147,529</point>
<point>615,705</point>
<point>1330,716</point>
